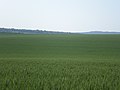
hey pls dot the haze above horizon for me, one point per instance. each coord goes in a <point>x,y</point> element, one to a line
<point>61,15</point>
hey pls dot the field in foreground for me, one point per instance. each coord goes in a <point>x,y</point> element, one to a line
<point>59,62</point>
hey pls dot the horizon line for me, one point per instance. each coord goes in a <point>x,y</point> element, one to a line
<point>59,30</point>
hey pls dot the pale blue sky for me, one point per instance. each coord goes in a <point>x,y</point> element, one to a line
<point>61,15</point>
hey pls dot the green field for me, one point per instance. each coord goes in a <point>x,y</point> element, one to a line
<point>59,62</point>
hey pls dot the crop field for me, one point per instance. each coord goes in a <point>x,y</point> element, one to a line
<point>59,62</point>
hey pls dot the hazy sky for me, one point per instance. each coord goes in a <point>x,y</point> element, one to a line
<point>62,15</point>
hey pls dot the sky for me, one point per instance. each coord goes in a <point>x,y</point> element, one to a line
<point>61,15</point>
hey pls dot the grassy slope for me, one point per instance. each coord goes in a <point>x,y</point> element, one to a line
<point>60,62</point>
<point>60,46</point>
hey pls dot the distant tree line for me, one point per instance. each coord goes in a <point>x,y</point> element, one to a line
<point>26,31</point>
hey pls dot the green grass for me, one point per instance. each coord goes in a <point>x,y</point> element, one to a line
<point>59,62</point>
